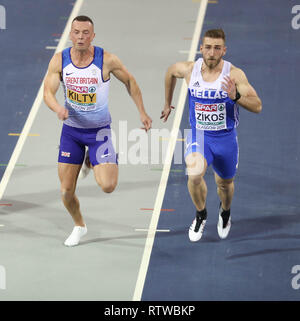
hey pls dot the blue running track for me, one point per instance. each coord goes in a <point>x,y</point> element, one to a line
<point>31,26</point>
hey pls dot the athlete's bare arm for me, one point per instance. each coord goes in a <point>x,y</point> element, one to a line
<point>112,64</point>
<point>177,70</point>
<point>51,86</point>
<point>249,98</point>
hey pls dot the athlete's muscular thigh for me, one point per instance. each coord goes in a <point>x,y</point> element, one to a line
<point>106,175</point>
<point>68,174</point>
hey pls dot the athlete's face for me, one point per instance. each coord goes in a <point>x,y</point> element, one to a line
<point>82,34</point>
<point>212,51</point>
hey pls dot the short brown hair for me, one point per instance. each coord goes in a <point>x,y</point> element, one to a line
<point>215,33</point>
<point>83,18</point>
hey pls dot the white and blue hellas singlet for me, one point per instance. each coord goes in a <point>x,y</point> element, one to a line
<point>211,110</point>
<point>86,93</point>
<point>213,119</point>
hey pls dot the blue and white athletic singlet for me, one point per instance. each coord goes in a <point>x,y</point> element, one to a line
<point>86,93</point>
<point>211,110</point>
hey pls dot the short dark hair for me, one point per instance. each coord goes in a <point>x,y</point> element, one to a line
<point>215,33</point>
<point>83,18</point>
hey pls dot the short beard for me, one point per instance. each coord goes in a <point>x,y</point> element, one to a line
<point>212,64</point>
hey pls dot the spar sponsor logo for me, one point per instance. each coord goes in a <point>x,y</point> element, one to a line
<point>206,107</point>
<point>210,108</point>
<point>79,89</point>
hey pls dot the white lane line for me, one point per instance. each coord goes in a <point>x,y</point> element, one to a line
<point>35,107</point>
<point>171,146</point>
<point>51,48</point>
<point>146,230</point>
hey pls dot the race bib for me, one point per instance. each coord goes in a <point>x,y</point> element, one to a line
<point>82,98</point>
<point>210,116</point>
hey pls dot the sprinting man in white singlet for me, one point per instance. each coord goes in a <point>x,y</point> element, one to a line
<point>215,87</point>
<point>85,72</point>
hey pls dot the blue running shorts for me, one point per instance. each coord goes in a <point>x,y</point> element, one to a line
<point>98,140</point>
<point>222,151</point>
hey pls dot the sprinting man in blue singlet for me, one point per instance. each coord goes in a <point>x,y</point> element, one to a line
<point>85,72</point>
<point>215,87</point>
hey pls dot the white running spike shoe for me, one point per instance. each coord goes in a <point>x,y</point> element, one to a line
<point>224,223</point>
<point>77,233</point>
<point>196,229</point>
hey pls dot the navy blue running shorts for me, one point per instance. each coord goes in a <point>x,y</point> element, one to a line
<point>222,151</point>
<point>98,140</point>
